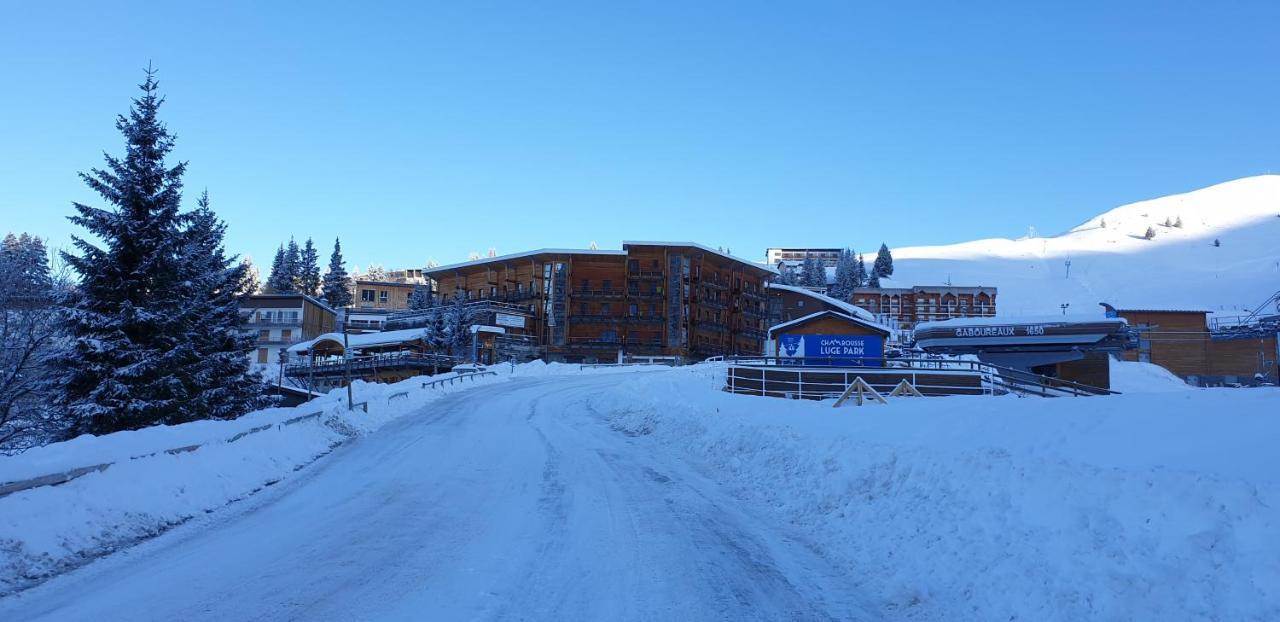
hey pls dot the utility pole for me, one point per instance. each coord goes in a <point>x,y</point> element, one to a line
<point>1064,307</point>
<point>1068,262</point>
<point>346,357</point>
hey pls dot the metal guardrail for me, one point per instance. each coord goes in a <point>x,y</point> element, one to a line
<point>53,479</point>
<point>1000,378</point>
<point>458,378</point>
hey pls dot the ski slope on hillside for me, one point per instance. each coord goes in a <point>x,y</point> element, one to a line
<point>1179,268</point>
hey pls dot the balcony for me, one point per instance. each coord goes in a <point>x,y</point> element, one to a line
<point>644,319</point>
<point>588,294</point>
<point>713,304</point>
<point>590,318</point>
<point>645,274</point>
<point>717,285</point>
<point>749,295</point>
<point>752,313</point>
<point>635,293</point>
<point>258,321</point>
<point>708,325</point>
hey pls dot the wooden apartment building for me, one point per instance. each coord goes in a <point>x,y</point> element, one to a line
<point>648,299</point>
<point>904,307</point>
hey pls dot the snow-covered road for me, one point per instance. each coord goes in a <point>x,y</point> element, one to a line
<point>510,501</point>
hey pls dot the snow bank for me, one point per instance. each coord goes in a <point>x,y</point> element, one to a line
<point>1135,377</point>
<point>1146,506</point>
<point>48,530</point>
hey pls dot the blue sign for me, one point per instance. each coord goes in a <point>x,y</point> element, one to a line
<point>838,350</point>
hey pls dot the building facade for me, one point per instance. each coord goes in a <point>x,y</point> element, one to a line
<point>648,299</point>
<point>381,295</point>
<point>281,320</point>
<point>829,257</point>
<point>904,307</point>
<point>1181,341</point>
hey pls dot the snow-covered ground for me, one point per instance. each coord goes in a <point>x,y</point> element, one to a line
<point>628,495</point>
<point>1180,267</point>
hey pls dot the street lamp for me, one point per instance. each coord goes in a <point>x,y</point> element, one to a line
<point>1064,307</point>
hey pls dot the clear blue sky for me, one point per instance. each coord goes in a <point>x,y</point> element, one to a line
<point>420,131</point>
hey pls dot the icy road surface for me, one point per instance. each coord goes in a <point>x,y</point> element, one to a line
<point>510,501</point>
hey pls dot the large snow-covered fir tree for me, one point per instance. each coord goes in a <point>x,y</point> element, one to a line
<point>293,266</point>
<point>137,320</point>
<point>280,280</point>
<point>860,272</point>
<point>812,272</point>
<point>336,287</point>
<point>846,276</point>
<point>223,385</point>
<point>309,270</point>
<point>884,263</point>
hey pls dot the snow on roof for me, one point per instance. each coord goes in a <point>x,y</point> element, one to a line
<point>540,251</point>
<point>800,320</point>
<point>1026,319</point>
<point>477,328</point>
<point>755,264</point>
<point>848,308</point>
<point>365,340</point>
<point>315,301</point>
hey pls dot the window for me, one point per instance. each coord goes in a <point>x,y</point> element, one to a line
<point>606,285</point>
<point>286,335</point>
<point>493,291</point>
<point>655,264</point>
<point>585,284</point>
<point>583,308</point>
<point>262,355</point>
<point>264,335</point>
<point>382,296</point>
<point>609,335</point>
<point>366,295</point>
<point>633,265</point>
<point>799,304</point>
<point>605,308</point>
<point>633,310</point>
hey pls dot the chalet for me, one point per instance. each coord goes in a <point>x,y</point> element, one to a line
<point>281,320</point>
<point>650,298</point>
<point>788,302</point>
<point>381,295</point>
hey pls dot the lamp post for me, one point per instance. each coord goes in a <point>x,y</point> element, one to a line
<point>1064,307</point>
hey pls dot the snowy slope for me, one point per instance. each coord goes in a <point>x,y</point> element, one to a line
<point>1178,268</point>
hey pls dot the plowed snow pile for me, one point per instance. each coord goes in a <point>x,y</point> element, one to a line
<point>1152,506</point>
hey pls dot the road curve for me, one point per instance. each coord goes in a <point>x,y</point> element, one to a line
<point>511,501</point>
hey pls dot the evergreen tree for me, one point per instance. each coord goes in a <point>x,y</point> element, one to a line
<point>377,273</point>
<point>1151,233</point>
<point>420,298</point>
<point>860,273</point>
<point>846,276</point>
<point>1178,223</point>
<point>222,383</point>
<point>812,272</point>
<point>309,270</point>
<point>336,287</point>
<point>884,263</point>
<point>1217,243</point>
<point>132,347</point>
<point>786,274</point>
<point>873,280</point>
<point>1102,223</point>
<point>280,280</point>
<point>457,325</point>
<point>252,279</point>
<point>293,266</point>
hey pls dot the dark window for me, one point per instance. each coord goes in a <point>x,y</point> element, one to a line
<point>583,308</point>
<point>366,295</point>
<point>633,310</point>
<point>586,284</point>
<point>633,265</point>
<point>606,285</point>
<point>604,308</point>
